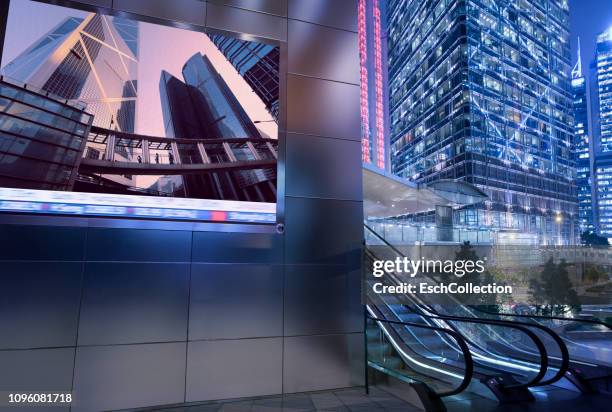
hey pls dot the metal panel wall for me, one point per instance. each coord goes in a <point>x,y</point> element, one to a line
<point>156,314</point>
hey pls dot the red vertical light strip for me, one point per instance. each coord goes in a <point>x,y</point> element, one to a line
<point>380,129</point>
<point>363,59</point>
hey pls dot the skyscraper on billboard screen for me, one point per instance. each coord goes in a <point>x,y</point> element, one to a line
<point>257,63</point>
<point>204,107</point>
<point>88,60</point>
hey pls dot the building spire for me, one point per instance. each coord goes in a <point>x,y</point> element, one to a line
<point>577,70</point>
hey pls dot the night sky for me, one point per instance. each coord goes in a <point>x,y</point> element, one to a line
<point>588,19</point>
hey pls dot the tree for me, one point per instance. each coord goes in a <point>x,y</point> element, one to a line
<point>487,302</point>
<point>590,238</point>
<point>553,293</point>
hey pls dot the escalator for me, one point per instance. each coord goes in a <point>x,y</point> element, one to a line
<point>510,354</point>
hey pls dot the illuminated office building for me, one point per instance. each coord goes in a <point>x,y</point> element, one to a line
<point>602,121</point>
<point>481,92</point>
<point>583,147</point>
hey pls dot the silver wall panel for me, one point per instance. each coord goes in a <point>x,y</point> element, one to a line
<point>219,247</point>
<point>333,235</point>
<point>323,167</point>
<point>246,22</point>
<point>341,14</point>
<point>128,376</point>
<point>185,11</point>
<point>235,301</point>
<point>39,304</point>
<point>23,242</point>
<point>338,60</point>
<point>323,108</point>
<point>37,369</point>
<point>234,368</point>
<point>129,245</point>
<point>319,299</point>
<point>322,362</point>
<point>276,7</point>
<point>134,303</point>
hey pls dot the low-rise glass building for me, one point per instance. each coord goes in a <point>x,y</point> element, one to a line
<point>42,138</point>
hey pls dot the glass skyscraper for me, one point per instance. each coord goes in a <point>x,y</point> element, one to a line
<point>257,63</point>
<point>480,92</point>
<point>583,147</point>
<point>204,107</point>
<point>602,121</point>
<point>91,60</point>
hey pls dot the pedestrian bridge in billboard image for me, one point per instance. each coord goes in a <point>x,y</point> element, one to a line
<point>112,152</point>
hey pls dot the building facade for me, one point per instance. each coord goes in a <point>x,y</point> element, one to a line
<point>481,92</point>
<point>257,63</point>
<point>583,143</point>
<point>204,107</point>
<point>602,122</point>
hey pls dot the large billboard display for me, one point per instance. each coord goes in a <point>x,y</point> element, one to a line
<point>104,115</point>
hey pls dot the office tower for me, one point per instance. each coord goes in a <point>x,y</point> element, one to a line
<point>257,63</point>
<point>204,107</point>
<point>602,122</point>
<point>583,146</point>
<point>480,92</point>
<point>86,60</point>
<point>372,34</point>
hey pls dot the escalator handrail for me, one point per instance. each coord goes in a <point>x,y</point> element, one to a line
<point>523,327</point>
<point>544,317</point>
<point>467,355</point>
<point>565,361</point>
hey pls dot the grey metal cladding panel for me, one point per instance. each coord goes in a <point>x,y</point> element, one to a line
<point>323,108</point>
<point>186,11</point>
<point>276,7</point>
<point>225,369</point>
<point>27,242</point>
<point>333,232</point>
<point>39,304</point>
<point>322,299</point>
<point>337,60</point>
<point>341,14</point>
<point>323,167</point>
<point>235,247</point>
<point>322,362</point>
<point>134,303</point>
<point>246,22</point>
<point>133,245</point>
<point>36,371</point>
<point>235,301</point>
<point>128,376</point>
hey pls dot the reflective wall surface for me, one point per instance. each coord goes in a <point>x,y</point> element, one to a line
<point>133,317</point>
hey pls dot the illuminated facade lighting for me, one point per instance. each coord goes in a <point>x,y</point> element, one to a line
<point>372,59</point>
